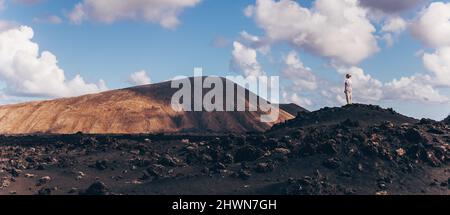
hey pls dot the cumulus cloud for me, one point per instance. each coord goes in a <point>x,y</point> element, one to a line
<point>414,88</point>
<point>244,59</point>
<point>296,99</point>
<point>366,88</point>
<point>139,78</point>
<point>392,28</point>
<point>339,30</point>
<point>432,27</point>
<point>164,13</point>
<point>303,82</point>
<point>255,42</point>
<point>438,63</point>
<point>301,76</point>
<point>333,95</point>
<point>418,88</point>
<point>391,6</point>
<point>394,25</point>
<point>27,72</point>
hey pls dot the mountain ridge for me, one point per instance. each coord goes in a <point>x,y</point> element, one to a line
<point>140,109</point>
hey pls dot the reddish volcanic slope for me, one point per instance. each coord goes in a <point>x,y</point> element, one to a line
<point>141,109</point>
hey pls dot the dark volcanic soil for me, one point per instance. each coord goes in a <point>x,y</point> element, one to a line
<point>343,157</point>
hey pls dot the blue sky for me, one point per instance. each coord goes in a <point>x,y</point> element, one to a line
<point>206,36</point>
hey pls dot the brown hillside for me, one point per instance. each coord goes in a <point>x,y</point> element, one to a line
<point>142,109</point>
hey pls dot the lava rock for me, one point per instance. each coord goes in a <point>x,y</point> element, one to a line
<point>330,147</point>
<point>416,136</point>
<point>44,180</point>
<point>100,165</point>
<point>168,160</point>
<point>14,172</point>
<point>156,170</point>
<point>229,159</point>
<point>45,191</point>
<point>97,188</point>
<point>264,167</point>
<point>248,153</point>
<point>332,163</point>
<point>350,123</point>
<point>244,174</point>
<point>432,159</point>
<point>282,151</point>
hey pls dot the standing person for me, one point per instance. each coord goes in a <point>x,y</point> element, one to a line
<point>348,89</point>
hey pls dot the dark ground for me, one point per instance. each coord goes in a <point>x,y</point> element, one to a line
<point>363,153</point>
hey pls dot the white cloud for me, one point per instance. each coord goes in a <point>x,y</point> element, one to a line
<point>414,88</point>
<point>333,95</point>
<point>249,11</point>
<point>439,64</point>
<point>394,25</point>
<point>245,60</point>
<point>432,27</point>
<point>140,78</point>
<point>297,99</point>
<point>339,30</point>
<point>392,28</point>
<point>27,72</point>
<point>300,75</point>
<point>418,88</point>
<point>255,42</point>
<point>161,12</point>
<point>365,87</point>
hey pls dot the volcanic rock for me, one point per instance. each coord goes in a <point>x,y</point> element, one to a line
<point>168,160</point>
<point>447,120</point>
<point>264,167</point>
<point>45,191</point>
<point>44,180</point>
<point>244,174</point>
<point>332,163</point>
<point>156,170</point>
<point>248,153</point>
<point>97,188</point>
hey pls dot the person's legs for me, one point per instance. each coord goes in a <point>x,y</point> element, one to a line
<point>348,97</point>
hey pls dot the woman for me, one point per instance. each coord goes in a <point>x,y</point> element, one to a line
<point>348,89</point>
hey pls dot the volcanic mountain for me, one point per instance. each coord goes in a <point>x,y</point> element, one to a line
<point>141,109</point>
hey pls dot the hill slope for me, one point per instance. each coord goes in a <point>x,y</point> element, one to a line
<point>293,109</point>
<point>142,109</point>
<point>363,115</point>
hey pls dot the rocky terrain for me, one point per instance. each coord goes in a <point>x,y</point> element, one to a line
<point>141,109</point>
<point>447,120</point>
<point>315,153</point>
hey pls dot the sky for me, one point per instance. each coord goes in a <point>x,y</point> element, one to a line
<point>397,51</point>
